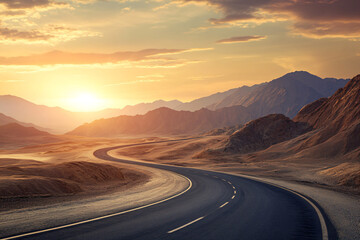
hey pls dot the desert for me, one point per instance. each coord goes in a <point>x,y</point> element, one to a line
<point>106,167</point>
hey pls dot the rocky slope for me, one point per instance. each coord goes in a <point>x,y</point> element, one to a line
<point>264,132</point>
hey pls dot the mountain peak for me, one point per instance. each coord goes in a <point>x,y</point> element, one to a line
<point>299,75</point>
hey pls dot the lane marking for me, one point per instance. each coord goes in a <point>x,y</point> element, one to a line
<point>229,182</point>
<point>233,187</point>
<point>102,217</point>
<point>233,197</point>
<point>183,226</point>
<point>223,180</point>
<point>234,191</point>
<point>224,205</point>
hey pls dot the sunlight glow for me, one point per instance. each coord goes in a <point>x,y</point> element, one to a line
<point>85,102</point>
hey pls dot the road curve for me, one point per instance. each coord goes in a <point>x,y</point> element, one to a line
<point>215,206</point>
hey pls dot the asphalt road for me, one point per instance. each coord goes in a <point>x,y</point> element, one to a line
<point>215,206</point>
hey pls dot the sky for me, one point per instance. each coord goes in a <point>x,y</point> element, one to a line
<point>85,55</point>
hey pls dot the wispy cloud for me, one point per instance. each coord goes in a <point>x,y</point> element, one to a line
<point>12,81</point>
<point>50,34</point>
<point>240,39</point>
<point>150,76</point>
<point>132,82</point>
<point>147,58</point>
<point>60,57</point>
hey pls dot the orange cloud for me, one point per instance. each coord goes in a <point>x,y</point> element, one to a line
<point>50,34</point>
<point>27,4</point>
<point>241,39</point>
<point>147,57</point>
<point>13,34</point>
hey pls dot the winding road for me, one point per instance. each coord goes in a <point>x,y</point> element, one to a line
<point>214,206</point>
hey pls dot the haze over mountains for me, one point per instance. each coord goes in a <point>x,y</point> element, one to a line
<point>285,95</point>
<point>6,120</point>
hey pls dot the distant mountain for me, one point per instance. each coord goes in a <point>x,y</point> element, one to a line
<point>14,135</point>
<point>235,98</point>
<point>285,95</point>
<point>6,120</point>
<point>203,102</point>
<point>165,121</point>
<point>143,108</point>
<point>58,120</point>
<point>54,119</point>
<point>17,130</point>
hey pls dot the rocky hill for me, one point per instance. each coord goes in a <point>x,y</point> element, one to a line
<point>264,132</point>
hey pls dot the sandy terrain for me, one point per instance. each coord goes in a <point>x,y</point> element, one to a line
<point>274,162</point>
<point>64,170</point>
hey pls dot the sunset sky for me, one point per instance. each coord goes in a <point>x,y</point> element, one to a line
<point>111,53</point>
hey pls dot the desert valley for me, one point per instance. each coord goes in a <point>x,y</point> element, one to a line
<point>179,119</point>
<point>264,131</point>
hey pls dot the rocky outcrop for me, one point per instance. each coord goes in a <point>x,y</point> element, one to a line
<point>264,132</point>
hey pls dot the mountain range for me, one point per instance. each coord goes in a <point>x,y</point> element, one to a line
<point>165,121</point>
<point>285,95</point>
<point>328,128</point>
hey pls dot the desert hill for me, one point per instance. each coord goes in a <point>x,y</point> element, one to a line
<point>165,121</point>
<point>6,120</point>
<point>14,135</point>
<point>337,120</point>
<point>17,130</point>
<point>264,132</point>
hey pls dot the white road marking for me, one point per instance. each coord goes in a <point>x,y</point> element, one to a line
<point>233,197</point>
<point>176,229</point>
<point>102,217</point>
<point>229,183</point>
<point>224,205</point>
<point>233,187</point>
<point>235,192</point>
<point>223,180</point>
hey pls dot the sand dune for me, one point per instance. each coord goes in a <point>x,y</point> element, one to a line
<point>18,178</point>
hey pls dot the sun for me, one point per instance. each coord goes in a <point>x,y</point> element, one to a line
<point>86,102</point>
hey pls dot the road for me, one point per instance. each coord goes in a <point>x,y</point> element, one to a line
<point>214,206</point>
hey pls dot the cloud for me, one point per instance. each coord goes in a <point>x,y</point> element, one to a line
<point>150,76</point>
<point>132,82</point>
<point>146,58</point>
<point>240,39</point>
<point>27,4</point>
<point>50,34</point>
<point>19,8</point>
<point>333,18</point>
<point>13,35</point>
